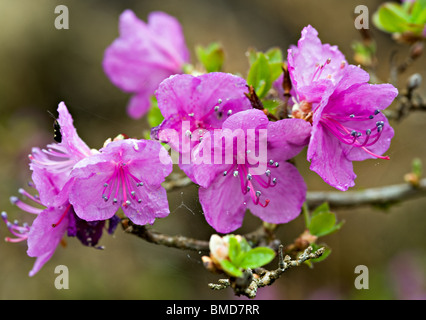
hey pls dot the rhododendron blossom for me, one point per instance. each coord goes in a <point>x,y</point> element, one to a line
<point>57,160</point>
<point>51,225</point>
<point>342,107</point>
<point>228,189</point>
<point>194,105</point>
<point>124,174</point>
<point>144,55</point>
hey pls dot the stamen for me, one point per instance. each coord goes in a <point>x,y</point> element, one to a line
<point>54,225</point>
<point>25,206</point>
<point>351,136</point>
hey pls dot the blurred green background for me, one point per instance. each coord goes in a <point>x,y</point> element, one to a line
<point>41,66</point>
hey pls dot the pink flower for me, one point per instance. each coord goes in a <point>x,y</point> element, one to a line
<point>194,105</point>
<point>348,125</point>
<point>50,226</point>
<point>56,161</point>
<point>125,174</point>
<point>253,172</point>
<point>345,111</point>
<point>144,55</point>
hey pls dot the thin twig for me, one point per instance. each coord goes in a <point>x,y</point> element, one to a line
<point>179,242</point>
<point>372,196</point>
<point>381,196</point>
<point>262,278</point>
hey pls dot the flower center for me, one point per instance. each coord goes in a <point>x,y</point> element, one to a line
<point>342,127</point>
<point>247,180</point>
<point>200,124</point>
<point>303,110</point>
<point>122,179</point>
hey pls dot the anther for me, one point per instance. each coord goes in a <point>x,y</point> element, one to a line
<point>229,112</point>
<point>219,101</point>
<point>258,194</point>
<point>133,193</point>
<point>380,123</point>
<point>235,173</point>
<point>14,200</point>
<point>128,203</point>
<point>191,114</point>
<point>276,164</point>
<point>139,200</point>
<point>368,132</point>
<point>139,184</point>
<point>216,108</point>
<point>353,133</point>
<point>106,185</point>
<point>271,162</point>
<point>352,116</point>
<point>248,188</point>
<point>225,173</point>
<point>371,117</point>
<point>114,201</point>
<point>274,180</point>
<point>376,112</point>
<point>249,177</point>
<point>268,173</point>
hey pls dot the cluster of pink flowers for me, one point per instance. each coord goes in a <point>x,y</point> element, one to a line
<point>336,113</point>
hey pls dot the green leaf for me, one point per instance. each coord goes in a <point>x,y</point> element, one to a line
<point>154,115</point>
<point>257,257</point>
<point>231,269</point>
<point>271,105</point>
<point>260,76</point>
<point>234,249</point>
<point>212,56</point>
<point>245,247</point>
<point>322,224</point>
<point>327,252</point>
<point>274,55</point>
<point>417,167</point>
<point>275,59</point>
<point>321,208</point>
<point>391,17</point>
<point>418,12</point>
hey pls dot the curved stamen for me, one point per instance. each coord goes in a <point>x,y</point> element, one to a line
<point>246,182</point>
<point>20,232</point>
<point>351,136</point>
<point>54,225</point>
<point>25,206</point>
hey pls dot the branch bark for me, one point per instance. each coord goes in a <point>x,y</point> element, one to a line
<point>381,196</point>
<point>336,199</point>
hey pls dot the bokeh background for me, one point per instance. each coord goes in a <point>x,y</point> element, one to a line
<point>41,66</point>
